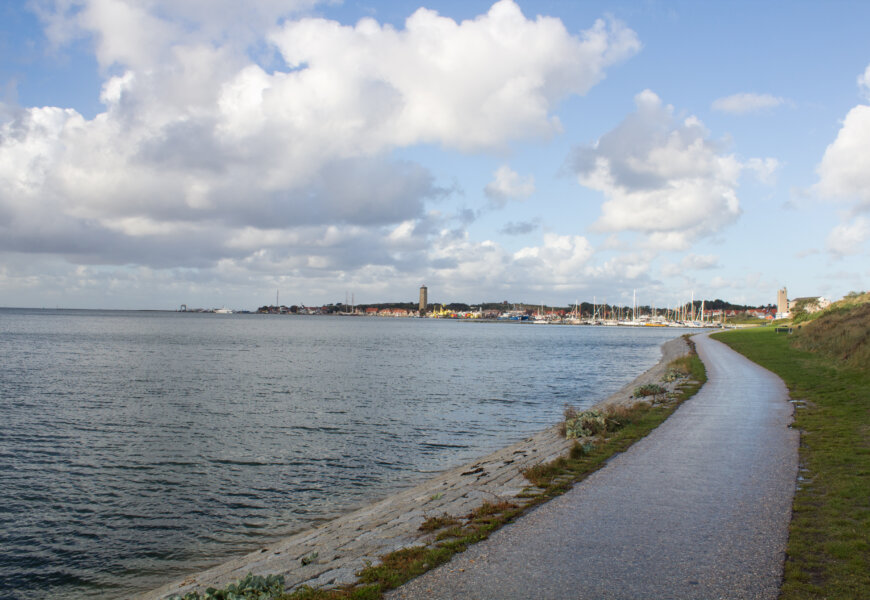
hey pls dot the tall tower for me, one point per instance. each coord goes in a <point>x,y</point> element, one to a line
<point>424,299</point>
<point>782,301</point>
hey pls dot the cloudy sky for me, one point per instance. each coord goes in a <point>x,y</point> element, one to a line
<point>211,152</point>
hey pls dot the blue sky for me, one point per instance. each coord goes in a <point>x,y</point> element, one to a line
<point>154,153</point>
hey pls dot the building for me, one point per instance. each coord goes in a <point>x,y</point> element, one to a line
<point>782,304</point>
<point>424,299</point>
<point>809,304</point>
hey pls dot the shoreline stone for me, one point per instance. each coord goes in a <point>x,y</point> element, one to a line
<point>336,550</point>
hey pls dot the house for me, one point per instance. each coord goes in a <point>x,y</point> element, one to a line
<point>810,304</point>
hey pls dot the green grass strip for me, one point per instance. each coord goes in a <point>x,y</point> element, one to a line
<point>828,554</point>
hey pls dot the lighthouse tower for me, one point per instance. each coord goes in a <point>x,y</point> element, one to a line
<point>424,299</point>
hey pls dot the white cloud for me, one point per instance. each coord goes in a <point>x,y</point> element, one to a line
<point>864,82</point>
<point>746,103</point>
<point>844,172</point>
<point>662,177</point>
<point>507,184</point>
<point>470,85</point>
<point>622,269</point>
<point>844,175</point>
<point>764,168</point>
<point>850,237</point>
<point>204,156</point>
<point>690,262</point>
<point>560,260</point>
<point>141,33</point>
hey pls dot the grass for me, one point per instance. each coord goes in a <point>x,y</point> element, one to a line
<point>435,523</point>
<point>828,553</point>
<point>452,535</point>
<point>841,334</point>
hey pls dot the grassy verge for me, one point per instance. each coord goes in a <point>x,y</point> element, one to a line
<point>453,534</point>
<point>828,554</point>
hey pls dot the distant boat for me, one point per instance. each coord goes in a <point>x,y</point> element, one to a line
<point>223,311</point>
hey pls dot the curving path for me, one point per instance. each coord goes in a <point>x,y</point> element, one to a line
<point>698,509</point>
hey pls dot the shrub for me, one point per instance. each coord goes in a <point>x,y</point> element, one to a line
<point>585,424</point>
<point>673,375</point>
<point>620,416</point>
<point>650,389</point>
<point>578,450</point>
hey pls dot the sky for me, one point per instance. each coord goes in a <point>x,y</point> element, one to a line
<point>211,153</point>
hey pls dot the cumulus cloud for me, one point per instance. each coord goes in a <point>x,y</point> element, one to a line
<point>844,172</point>
<point>739,104</point>
<point>470,85</point>
<point>844,176</point>
<point>864,82</point>
<point>131,32</point>
<point>764,168</point>
<point>849,237</point>
<point>661,176</point>
<point>506,185</point>
<point>463,267</point>
<point>690,262</point>
<point>204,154</point>
<point>561,256</point>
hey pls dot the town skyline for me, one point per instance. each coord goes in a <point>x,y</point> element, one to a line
<point>154,154</point>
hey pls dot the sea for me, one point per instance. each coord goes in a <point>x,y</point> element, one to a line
<point>138,447</point>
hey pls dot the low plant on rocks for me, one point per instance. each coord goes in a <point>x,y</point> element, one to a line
<point>672,375</point>
<point>650,389</point>
<point>250,587</point>
<point>585,424</point>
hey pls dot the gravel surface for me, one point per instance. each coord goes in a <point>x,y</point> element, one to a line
<point>698,509</point>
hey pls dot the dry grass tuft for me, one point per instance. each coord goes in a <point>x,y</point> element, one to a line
<point>436,523</point>
<point>487,509</point>
<point>542,475</point>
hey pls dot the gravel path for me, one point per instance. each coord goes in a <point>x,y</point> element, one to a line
<point>698,509</point>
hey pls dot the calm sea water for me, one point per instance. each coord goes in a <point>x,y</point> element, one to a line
<point>136,447</point>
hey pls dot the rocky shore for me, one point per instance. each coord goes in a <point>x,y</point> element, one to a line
<point>334,552</point>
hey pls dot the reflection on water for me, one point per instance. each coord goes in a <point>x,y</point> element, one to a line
<point>135,447</point>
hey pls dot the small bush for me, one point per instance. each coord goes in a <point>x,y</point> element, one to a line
<point>578,450</point>
<point>672,375</point>
<point>585,424</point>
<point>650,389</point>
<point>620,416</point>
